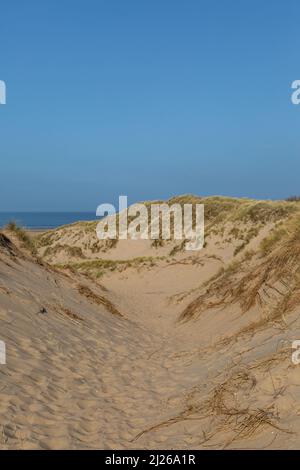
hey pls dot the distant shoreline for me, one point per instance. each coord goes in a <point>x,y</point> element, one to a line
<point>44,221</point>
<point>34,232</point>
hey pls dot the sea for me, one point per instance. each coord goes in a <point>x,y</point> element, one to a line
<point>44,220</point>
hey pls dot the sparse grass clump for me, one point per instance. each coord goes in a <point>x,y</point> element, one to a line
<point>98,267</point>
<point>6,244</point>
<point>98,299</point>
<point>27,242</point>
<point>226,410</point>
<point>270,242</point>
<point>272,283</point>
<point>251,233</point>
<point>239,248</point>
<point>72,251</point>
<point>263,211</point>
<point>64,311</point>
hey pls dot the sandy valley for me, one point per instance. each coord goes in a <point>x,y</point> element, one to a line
<point>135,344</point>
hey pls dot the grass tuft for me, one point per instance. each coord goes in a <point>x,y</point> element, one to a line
<point>27,242</point>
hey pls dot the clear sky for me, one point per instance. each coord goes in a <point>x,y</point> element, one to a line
<point>148,98</point>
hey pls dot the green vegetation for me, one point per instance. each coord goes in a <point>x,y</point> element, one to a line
<point>72,251</point>
<point>249,235</point>
<point>263,211</point>
<point>96,268</point>
<point>27,242</point>
<point>271,283</point>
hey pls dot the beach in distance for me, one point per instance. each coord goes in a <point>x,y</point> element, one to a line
<point>44,220</point>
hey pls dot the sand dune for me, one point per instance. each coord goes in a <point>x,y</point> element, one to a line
<point>137,346</point>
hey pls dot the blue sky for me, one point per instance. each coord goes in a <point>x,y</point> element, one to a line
<point>147,98</point>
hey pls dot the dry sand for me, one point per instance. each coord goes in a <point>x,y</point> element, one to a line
<point>108,365</point>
